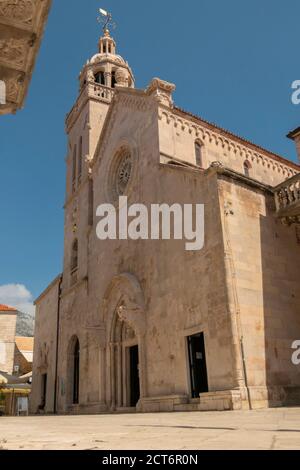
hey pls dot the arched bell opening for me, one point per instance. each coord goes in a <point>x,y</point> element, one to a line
<point>73,372</point>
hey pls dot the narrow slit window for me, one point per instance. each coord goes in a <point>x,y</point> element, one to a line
<point>198,154</point>
<point>247,168</point>
<point>80,161</point>
<point>74,257</point>
<point>74,169</point>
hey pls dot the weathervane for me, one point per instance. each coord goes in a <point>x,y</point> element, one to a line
<point>106,19</point>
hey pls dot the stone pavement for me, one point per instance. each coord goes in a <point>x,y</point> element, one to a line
<point>261,429</point>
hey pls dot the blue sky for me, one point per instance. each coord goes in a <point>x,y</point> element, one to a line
<point>233,63</point>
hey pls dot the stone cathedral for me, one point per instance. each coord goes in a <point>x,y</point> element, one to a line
<point>135,325</point>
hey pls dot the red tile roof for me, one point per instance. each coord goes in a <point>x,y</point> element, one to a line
<point>24,343</point>
<point>6,308</point>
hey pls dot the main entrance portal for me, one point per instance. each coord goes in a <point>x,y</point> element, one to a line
<point>125,367</point>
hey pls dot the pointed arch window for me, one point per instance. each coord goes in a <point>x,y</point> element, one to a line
<point>74,256</point>
<point>80,160</point>
<point>76,372</point>
<point>247,168</point>
<point>74,261</point>
<point>91,203</point>
<point>74,169</point>
<point>199,153</point>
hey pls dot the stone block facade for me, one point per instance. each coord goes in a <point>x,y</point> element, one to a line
<point>144,324</point>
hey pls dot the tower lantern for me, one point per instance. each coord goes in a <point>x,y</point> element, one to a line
<point>107,68</point>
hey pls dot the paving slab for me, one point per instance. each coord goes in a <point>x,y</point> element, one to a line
<point>272,429</point>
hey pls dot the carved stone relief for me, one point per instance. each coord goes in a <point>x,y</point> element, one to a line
<point>22,24</point>
<point>20,10</point>
<point>13,50</point>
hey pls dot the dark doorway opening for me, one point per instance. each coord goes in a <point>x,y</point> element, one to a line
<point>134,376</point>
<point>76,373</point>
<point>44,391</point>
<point>197,362</point>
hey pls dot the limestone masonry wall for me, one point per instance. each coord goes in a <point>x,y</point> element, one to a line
<point>7,340</point>
<point>45,348</point>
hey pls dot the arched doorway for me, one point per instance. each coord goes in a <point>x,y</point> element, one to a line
<point>73,372</point>
<point>76,375</point>
<point>126,365</point>
<point>124,314</point>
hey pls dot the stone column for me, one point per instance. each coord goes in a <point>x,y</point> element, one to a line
<point>119,375</point>
<point>112,376</point>
<point>107,76</point>
<point>142,366</point>
<point>233,306</point>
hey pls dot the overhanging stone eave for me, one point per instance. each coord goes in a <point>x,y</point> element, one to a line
<point>23,41</point>
<point>224,172</point>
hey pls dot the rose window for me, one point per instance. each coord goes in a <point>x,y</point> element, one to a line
<point>123,174</point>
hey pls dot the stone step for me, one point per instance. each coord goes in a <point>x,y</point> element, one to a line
<point>187,407</point>
<point>125,410</point>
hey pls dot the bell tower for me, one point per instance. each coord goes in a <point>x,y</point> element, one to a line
<point>98,80</point>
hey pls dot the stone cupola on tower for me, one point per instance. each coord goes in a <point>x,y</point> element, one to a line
<point>106,67</point>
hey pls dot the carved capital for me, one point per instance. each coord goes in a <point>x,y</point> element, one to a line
<point>133,315</point>
<point>161,91</point>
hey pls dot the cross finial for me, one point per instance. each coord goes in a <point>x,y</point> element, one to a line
<point>106,20</point>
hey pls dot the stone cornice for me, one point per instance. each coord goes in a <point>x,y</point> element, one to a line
<point>22,24</point>
<point>206,132</point>
<point>221,171</point>
<point>91,91</point>
<point>127,97</point>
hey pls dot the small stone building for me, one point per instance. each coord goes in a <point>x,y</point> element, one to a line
<point>16,352</point>
<point>23,355</point>
<point>16,355</point>
<point>8,321</point>
<point>144,324</point>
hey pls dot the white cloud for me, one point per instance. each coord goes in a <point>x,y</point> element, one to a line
<point>17,296</point>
